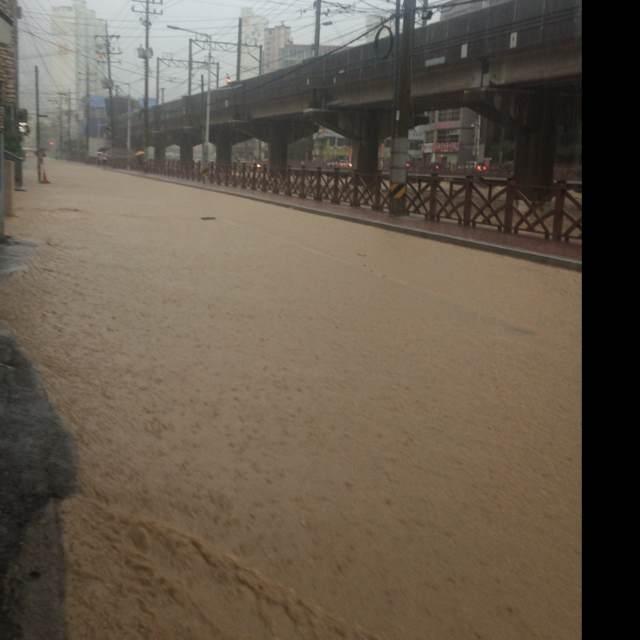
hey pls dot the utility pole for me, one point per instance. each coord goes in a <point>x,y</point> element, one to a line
<point>68,124</point>
<point>58,102</point>
<point>128,128</point>
<point>316,42</point>
<point>87,110</point>
<point>202,98</point>
<point>181,64</point>
<point>227,47</point>
<point>190,63</point>
<point>38,143</point>
<point>401,112</point>
<point>207,119</point>
<point>107,49</point>
<point>239,46</point>
<point>157,80</point>
<point>149,8</point>
<point>425,12</point>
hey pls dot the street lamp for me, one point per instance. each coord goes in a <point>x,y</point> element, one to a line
<point>206,138</point>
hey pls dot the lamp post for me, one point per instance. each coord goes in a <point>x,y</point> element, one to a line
<point>206,137</point>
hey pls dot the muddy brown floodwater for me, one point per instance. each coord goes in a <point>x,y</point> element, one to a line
<point>293,427</point>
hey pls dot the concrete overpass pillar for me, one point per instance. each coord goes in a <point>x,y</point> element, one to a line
<point>365,148</point>
<point>186,152</point>
<point>278,153</point>
<point>535,148</point>
<point>279,146</point>
<point>224,148</point>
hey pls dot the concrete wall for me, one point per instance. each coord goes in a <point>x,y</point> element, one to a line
<point>8,61</point>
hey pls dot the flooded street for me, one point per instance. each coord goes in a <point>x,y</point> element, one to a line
<point>289,426</point>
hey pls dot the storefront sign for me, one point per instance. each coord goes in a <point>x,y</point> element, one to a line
<point>446,147</point>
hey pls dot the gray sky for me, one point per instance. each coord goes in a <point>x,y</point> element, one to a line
<point>217,17</point>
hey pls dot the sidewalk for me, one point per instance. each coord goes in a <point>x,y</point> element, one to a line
<point>14,255</point>
<point>37,471</point>
<point>560,254</point>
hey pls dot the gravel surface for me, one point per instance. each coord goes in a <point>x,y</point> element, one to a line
<point>294,427</point>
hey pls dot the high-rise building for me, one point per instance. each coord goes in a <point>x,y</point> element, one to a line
<point>73,30</point>
<point>275,39</point>
<point>253,28</point>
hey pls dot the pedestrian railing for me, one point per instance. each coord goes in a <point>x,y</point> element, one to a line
<point>554,213</point>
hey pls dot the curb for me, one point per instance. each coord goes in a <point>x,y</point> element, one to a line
<point>522,254</point>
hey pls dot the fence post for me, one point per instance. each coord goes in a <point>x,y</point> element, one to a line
<point>303,183</point>
<point>508,206</point>
<point>318,190</point>
<point>432,213</point>
<point>335,197</point>
<point>468,195</point>
<point>558,212</point>
<point>355,192</point>
<point>377,187</point>
<point>287,181</point>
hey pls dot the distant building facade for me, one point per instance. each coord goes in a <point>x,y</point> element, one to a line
<point>454,137</point>
<point>73,63</point>
<point>275,39</point>
<point>296,53</point>
<point>253,28</point>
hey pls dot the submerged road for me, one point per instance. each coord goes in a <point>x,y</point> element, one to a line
<point>289,426</point>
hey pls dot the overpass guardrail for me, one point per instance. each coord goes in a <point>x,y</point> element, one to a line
<point>470,201</point>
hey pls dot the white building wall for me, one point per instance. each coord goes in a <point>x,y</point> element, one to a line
<point>253,27</point>
<point>73,32</point>
<point>275,39</point>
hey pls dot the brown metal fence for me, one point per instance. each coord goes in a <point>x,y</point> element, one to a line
<point>469,201</point>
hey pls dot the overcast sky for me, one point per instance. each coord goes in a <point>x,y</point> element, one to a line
<point>216,17</point>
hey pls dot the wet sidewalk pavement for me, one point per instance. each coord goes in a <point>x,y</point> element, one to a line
<point>14,255</point>
<point>559,254</point>
<point>36,472</point>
